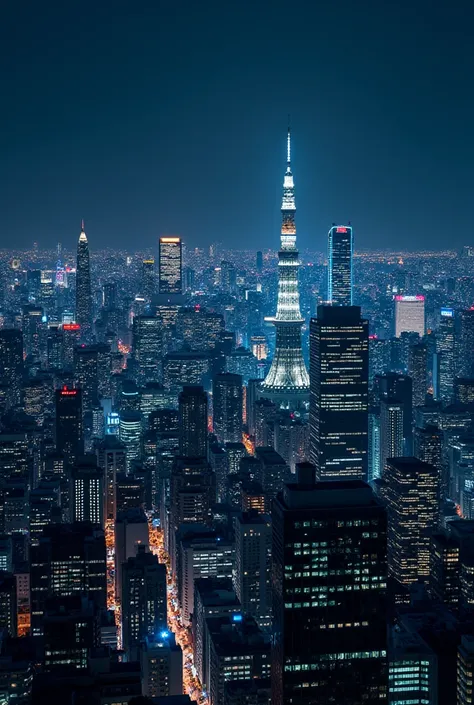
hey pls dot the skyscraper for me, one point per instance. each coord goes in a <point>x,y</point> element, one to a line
<point>413,498</point>
<point>193,422</point>
<point>11,364</point>
<point>287,382</point>
<point>465,367</point>
<point>170,265</point>
<point>88,491</point>
<point>227,402</point>
<point>417,370</point>
<point>391,431</point>
<point>409,315</point>
<point>83,286</point>
<point>340,248</point>
<point>148,348</point>
<point>148,278</point>
<point>69,426</point>
<point>329,623</point>
<point>339,373</point>
<point>445,356</point>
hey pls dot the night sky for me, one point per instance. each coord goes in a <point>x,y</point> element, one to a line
<point>148,117</point>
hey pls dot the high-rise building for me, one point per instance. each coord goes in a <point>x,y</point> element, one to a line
<point>144,599</point>
<point>170,265</point>
<point>111,458</point>
<point>465,669</point>
<point>88,491</point>
<point>391,431</point>
<point>11,364</point>
<point>340,249</point>
<point>83,287</point>
<point>339,372</point>
<point>329,623</point>
<point>130,435</point>
<point>398,387</point>
<point>445,356</point>
<point>227,403</point>
<point>287,382</point>
<point>148,278</point>
<point>70,559</point>
<point>148,348</point>
<point>252,576</point>
<point>32,326</point>
<point>410,315</point>
<point>413,510</point>
<point>417,370</point>
<point>69,426</point>
<point>465,366</point>
<point>464,392</point>
<point>161,662</point>
<point>193,421</point>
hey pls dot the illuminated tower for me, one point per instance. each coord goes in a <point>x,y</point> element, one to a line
<point>340,246</point>
<point>83,286</point>
<point>170,265</point>
<point>287,382</point>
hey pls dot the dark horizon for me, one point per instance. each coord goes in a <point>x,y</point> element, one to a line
<point>172,120</point>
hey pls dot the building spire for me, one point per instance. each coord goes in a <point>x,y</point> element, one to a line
<point>288,144</point>
<point>82,235</point>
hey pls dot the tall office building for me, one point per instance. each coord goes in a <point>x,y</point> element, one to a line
<point>465,366</point>
<point>130,429</point>
<point>69,426</point>
<point>391,431</point>
<point>83,286</point>
<point>193,422</point>
<point>252,575</point>
<point>148,348</point>
<point>340,249</point>
<point>88,491</point>
<point>170,265</point>
<point>339,373</point>
<point>227,403</point>
<point>70,559</point>
<point>398,387</point>
<point>144,599</point>
<point>287,382</point>
<point>32,326</point>
<point>445,361</point>
<point>410,315</point>
<point>11,364</point>
<point>417,370</point>
<point>413,510</point>
<point>111,458</point>
<point>329,623</point>
<point>148,278</point>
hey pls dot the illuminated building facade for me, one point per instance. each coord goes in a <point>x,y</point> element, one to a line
<point>88,492</point>
<point>227,407</point>
<point>287,382</point>
<point>409,315</point>
<point>391,431</point>
<point>340,250</point>
<point>329,622</point>
<point>83,286</point>
<point>148,278</point>
<point>339,373</point>
<point>148,348</point>
<point>465,670</point>
<point>170,265</point>
<point>445,356</point>
<point>466,344</point>
<point>193,422</point>
<point>11,364</point>
<point>413,499</point>
<point>69,425</point>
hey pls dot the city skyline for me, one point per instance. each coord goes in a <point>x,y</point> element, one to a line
<point>114,141</point>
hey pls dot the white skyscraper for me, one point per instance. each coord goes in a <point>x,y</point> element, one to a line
<point>409,315</point>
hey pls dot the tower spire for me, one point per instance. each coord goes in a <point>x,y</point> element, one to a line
<point>287,381</point>
<point>288,144</point>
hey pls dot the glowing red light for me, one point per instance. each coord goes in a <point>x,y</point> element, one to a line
<point>373,337</point>
<point>71,326</point>
<point>65,392</point>
<point>341,230</point>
